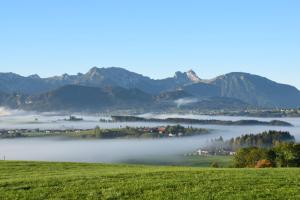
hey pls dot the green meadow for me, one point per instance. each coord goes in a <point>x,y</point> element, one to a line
<point>181,160</point>
<point>50,180</point>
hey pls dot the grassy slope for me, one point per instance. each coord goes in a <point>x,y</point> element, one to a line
<point>42,180</point>
<point>180,160</point>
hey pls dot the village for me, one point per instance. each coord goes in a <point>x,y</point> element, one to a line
<point>11,133</point>
<point>155,132</point>
<point>215,152</point>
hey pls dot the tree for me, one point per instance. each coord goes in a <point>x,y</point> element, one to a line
<point>175,129</point>
<point>98,132</point>
<point>283,155</point>
<point>255,155</point>
<point>271,156</point>
<point>287,155</point>
<point>248,157</point>
<point>240,159</point>
<point>296,151</point>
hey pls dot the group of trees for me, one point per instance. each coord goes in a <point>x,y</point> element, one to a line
<point>281,155</point>
<point>267,149</point>
<point>175,129</point>
<point>199,121</point>
<point>132,132</point>
<point>263,140</point>
<point>266,139</point>
<point>116,132</point>
<point>183,131</point>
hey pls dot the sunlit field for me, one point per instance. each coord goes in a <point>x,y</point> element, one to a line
<point>44,180</point>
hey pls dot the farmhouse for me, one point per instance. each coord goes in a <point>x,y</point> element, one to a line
<point>162,130</point>
<point>202,152</point>
<point>206,152</point>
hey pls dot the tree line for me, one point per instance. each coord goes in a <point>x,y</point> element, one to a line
<point>265,139</point>
<point>281,155</point>
<point>266,149</point>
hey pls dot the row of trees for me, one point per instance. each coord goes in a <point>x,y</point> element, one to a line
<point>267,139</point>
<point>189,131</point>
<point>281,155</point>
<point>117,133</point>
<point>175,130</point>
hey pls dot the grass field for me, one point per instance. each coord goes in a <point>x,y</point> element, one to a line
<point>181,160</point>
<point>42,180</point>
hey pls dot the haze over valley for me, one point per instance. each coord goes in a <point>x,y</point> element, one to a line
<point>120,150</point>
<point>34,103</point>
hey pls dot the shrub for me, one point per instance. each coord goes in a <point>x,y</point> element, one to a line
<point>248,157</point>
<point>264,163</point>
<point>215,164</point>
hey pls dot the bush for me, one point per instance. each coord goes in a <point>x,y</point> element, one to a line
<point>264,163</point>
<point>98,132</point>
<point>215,165</point>
<point>283,155</point>
<point>248,157</point>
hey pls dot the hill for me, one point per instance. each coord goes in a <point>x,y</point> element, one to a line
<point>112,98</point>
<point>84,98</point>
<point>256,90</point>
<point>42,180</point>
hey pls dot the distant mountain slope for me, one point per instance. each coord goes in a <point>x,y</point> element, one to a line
<point>85,98</point>
<point>173,95</point>
<point>95,99</point>
<point>14,83</point>
<point>11,100</point>
<point>98,77</point>
<point>256,90</point>
<point>101,77</point>
<point>216,103</point>
<point>202,89</point>
<point>114,76</point>
<point>251,89</point>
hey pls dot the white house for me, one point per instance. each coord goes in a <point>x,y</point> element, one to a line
<point>201,152</point>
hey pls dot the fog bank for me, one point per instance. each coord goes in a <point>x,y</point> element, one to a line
<point>113,150</point>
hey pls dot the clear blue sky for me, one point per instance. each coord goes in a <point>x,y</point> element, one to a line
<point>152,37</point>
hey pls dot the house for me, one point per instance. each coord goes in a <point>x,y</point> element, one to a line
<point>162,130</point>
<point>202,152</point>
<point>147,130</point>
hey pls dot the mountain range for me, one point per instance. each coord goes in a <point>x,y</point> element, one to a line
<point>116,88</point>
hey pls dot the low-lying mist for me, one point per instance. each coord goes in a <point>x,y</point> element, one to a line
<point>4,111</point>
<point>185,101</point>
<point>112,150</point>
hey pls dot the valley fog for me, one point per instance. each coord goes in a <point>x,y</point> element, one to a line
<point>112,150</point>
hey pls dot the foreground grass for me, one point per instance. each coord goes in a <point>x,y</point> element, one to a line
<point>181,160</point>
<point>42,180</point>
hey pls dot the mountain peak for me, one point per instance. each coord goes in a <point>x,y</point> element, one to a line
<point>179,74</point>
<point>34,76</point>
<point>188,76</point>
<point>193,76</point>
<point>93,70</point>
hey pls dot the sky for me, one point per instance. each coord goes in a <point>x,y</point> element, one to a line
<point>152,37</point>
